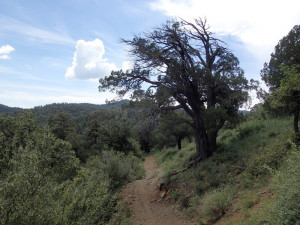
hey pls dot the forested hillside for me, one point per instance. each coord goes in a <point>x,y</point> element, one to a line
<point>67,163</point>
<point>6,109</point>
<point>43,113</point>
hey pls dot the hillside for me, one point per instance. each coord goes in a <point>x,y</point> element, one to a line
<point>42,113</point>
<point>6,109</point>
<point>251,179</point>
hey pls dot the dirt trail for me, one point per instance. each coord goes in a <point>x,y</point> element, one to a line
<point>142,197</point>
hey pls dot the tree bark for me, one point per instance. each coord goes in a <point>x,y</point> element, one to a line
<point>296,120</point>
<point>178,139</point>
<point>296,127</point>
<point>213,141</point>
<point>201,138</point>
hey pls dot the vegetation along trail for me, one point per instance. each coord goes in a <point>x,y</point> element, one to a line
<point>143,199</point>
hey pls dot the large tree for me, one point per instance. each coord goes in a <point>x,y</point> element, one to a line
<point>287,52</point>
<point>287,96</point>
<point>186,66</point>
<point>281,75</point>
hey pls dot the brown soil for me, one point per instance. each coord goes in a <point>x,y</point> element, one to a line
<point>145,203</point>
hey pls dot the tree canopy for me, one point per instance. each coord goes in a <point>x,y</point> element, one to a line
<point>281,74</point>
<point>185,66</point>
<point>287,52</point>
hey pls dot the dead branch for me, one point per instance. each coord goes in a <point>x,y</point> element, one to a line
<point>163,184</point>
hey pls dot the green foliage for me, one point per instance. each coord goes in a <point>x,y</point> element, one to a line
<point>92,195</point>
<point>283,77</point>
<point>109,129</point>
<point>247,158</point>
<point>88,198</point>
<point>246,129</point>
<point>215,203</point>
<point>287,53</point>
<point>200,75</point>
<point>288,95</point>
<point>62,126</point>
<point>120,168</point>
<point>42,182</point>
<point>8,110</point>
<point>172,158</point>
<point>43,113</point>
<point>121,217</point>
<point>265,164</point>
<point>172,129</point>
<point>286,209</point>
<point>210,174</point>
<point>30,184</point>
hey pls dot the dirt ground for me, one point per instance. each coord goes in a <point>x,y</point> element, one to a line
<point>144,200</point>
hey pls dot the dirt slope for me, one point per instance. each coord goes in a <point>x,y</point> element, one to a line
<point>143,199</point>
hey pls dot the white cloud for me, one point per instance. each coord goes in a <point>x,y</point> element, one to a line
<point>5,50</point>
<point>260,24</point>
<point>89,62</point>
<point>34,33</point>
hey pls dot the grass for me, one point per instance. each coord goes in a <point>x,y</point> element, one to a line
<point>249,159</point>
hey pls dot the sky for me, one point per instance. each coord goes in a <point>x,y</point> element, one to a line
<point>55,51</point>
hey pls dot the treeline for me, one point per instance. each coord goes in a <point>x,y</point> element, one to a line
<point>65,164</point>
<point>70,169</point>
<point>43,182</point>
<point>119,129</point>
<point>42,113</point>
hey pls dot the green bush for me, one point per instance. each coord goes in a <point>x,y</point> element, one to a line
<point>91,197</point>
<point>120,168</point>
<point>43,183</point>
<point>286,208</point>
<point>31,187</point>
<point>88,198</point>
<point>215,203</point>
<point>210,174</point>
<point>269,161</point>
<point>121,217</point>
<point>248,128</point>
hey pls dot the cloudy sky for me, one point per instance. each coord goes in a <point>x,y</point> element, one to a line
<point>56,50</point>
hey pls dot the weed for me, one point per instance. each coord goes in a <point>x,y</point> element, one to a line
<point>175,194</point>
<point>215,203</point>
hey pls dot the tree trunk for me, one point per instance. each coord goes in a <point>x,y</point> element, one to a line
<point>296,127</point>
<point>213,141</point>
<point>178,139</point>
<point>145,146</point>
<point>296,119</point>
<point>201,138</point>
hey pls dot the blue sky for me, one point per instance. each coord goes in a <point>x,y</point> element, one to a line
<point>56,50</point>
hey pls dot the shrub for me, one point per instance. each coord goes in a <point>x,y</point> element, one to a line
<point>31,189</point>
<point>91,197</point>
<point>120,168</point>
<point>210,175</point>
<point>88,199</point>
<point>248,128</point>
<point>43,183</point>
<point>286,208</point>
<point>269,161</point>
<point>215,203</point>
<point>121,217</point>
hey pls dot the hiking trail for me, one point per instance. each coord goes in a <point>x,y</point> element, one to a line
<point>145,203</point>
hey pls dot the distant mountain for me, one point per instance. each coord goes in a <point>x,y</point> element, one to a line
<point>6,109</point>
<point>75,109</point>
